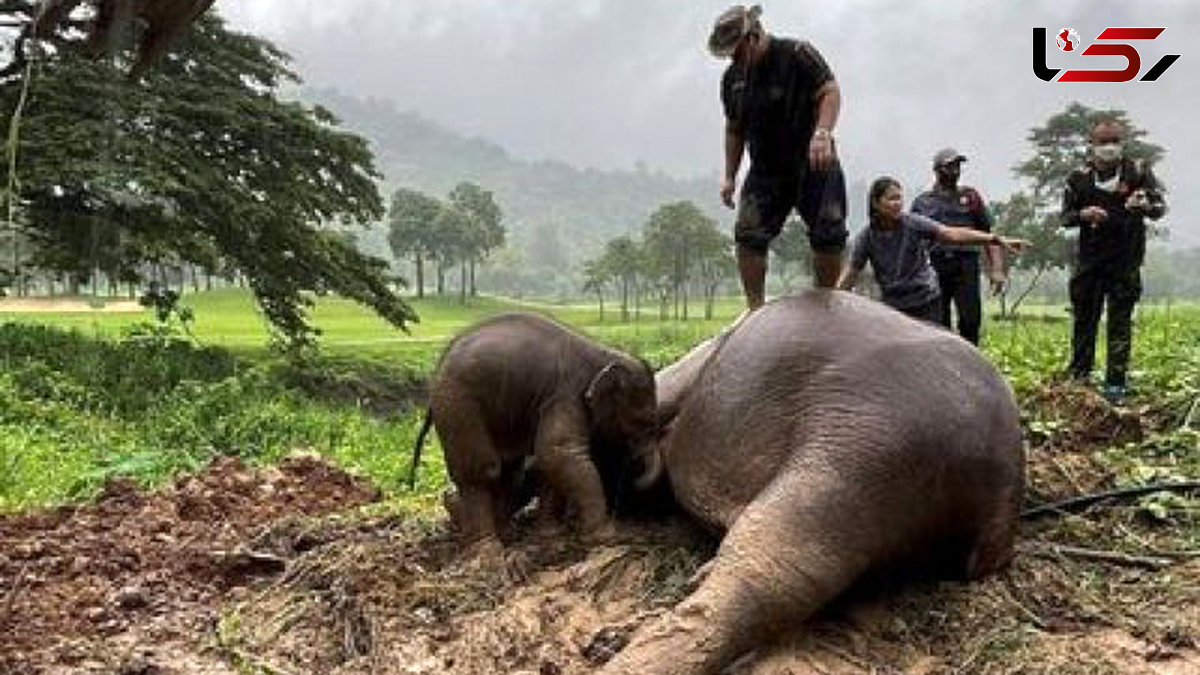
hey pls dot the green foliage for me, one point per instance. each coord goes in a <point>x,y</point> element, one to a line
<point>464,230</point>
<point>680,248</point>
<point>198,161</point>
<point>484,232</point>
<point>1060,146</point>
<point>75,411</point>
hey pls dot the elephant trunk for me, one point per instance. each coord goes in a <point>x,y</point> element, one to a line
<point>652,468</point>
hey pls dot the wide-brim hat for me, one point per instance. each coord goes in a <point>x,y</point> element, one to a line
<point>730,27</point>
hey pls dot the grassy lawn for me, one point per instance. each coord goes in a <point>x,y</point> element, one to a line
<point>78,407</point>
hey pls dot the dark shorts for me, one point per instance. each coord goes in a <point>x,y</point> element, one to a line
<point>766,203</point>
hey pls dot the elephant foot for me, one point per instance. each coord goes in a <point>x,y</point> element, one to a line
<point>548,529</point>
<point>688,641</point>
<point>489,556</point>
<point>600,535</point>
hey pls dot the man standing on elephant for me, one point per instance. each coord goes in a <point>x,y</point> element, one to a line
<point>781,103</point>
<point>1108,201</point>
<point>957,266</point>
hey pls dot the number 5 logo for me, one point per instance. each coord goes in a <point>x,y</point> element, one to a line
<point>1132,58</point>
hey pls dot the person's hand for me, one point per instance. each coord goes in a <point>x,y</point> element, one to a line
<point>998,283</point>
<point>1093,214</point>
<point>727,189</point>
<point>820,149</point>
<point>1014,246</point>
<point>1139,201</point>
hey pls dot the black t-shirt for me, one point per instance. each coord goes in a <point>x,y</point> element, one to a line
<point>774,104</point>
<point>1119,243</point>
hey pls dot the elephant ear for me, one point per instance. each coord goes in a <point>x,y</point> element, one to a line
<point>610,380</point>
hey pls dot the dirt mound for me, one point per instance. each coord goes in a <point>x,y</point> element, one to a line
<point>387,599</point>
<point>86,588</point>
<point>1072,424</point>
<point>243,570</point>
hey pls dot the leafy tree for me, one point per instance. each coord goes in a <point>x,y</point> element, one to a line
<point>485,233</point>
<point>596,276</point>
<point>792,250</point>
<point>198,160</point>
<point>714,261</point>
<point>412,219</point>
<point>622,260</point>
<point>670,241</point>
<point>1059,147</point>
<point>1020,217</point>
<point>451,236</point>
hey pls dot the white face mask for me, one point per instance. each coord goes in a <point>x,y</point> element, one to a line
<point>1107,152</point>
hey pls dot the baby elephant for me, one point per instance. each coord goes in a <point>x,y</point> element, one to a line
<point>518,387</point>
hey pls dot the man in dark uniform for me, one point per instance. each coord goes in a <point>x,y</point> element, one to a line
<point>957,266</point>
<point>1108,201</point>
<point>781,103</point>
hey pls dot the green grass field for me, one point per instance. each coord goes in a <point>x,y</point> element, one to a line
<point>79,403</point>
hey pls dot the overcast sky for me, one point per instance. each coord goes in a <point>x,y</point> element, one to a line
<point>608,83</point>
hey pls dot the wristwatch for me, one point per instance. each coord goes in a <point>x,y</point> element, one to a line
<point>823,133</point>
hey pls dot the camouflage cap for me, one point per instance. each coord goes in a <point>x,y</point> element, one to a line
<point>729,29</point>
<point>947,156</point>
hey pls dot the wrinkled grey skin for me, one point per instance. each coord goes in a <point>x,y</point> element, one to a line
<point>520,386</point>
<point>828,436</point>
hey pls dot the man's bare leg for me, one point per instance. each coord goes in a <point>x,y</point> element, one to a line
<point>827,266</point>
<point>752,265</point>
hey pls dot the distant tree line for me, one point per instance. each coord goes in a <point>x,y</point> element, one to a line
<point>463,230</point>
<point>680,254</point>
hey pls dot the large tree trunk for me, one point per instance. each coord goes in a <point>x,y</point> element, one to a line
<point>624,300</point>
<point>441,278</point>
<point>462,283</point>
<point>474,290</point>
<point>420,260</point>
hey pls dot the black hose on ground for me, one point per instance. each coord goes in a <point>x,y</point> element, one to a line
<point>1080,503</point>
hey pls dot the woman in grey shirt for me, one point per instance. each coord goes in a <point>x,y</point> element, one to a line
<point>897,246</point>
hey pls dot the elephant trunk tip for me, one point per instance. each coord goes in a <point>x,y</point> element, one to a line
<point>652,471</point>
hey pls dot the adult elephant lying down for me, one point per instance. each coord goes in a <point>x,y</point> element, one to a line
<point>828,436</point>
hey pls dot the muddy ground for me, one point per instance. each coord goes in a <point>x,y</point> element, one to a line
<point>293,570</point>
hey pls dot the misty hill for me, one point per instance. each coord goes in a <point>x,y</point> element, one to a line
<point>556,214</point>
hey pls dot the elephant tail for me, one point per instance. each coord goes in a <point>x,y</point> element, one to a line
<point>416,461</point>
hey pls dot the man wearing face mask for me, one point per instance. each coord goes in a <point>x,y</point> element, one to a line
<point>957,266</point>
<point>1108,202</point>
<point>781,103</point>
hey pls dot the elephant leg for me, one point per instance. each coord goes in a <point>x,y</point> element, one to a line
<point>994,546</point>
<point>551,513</point>
<point>775,568</point>
<point>561,450</point>
<point>475,467</point>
